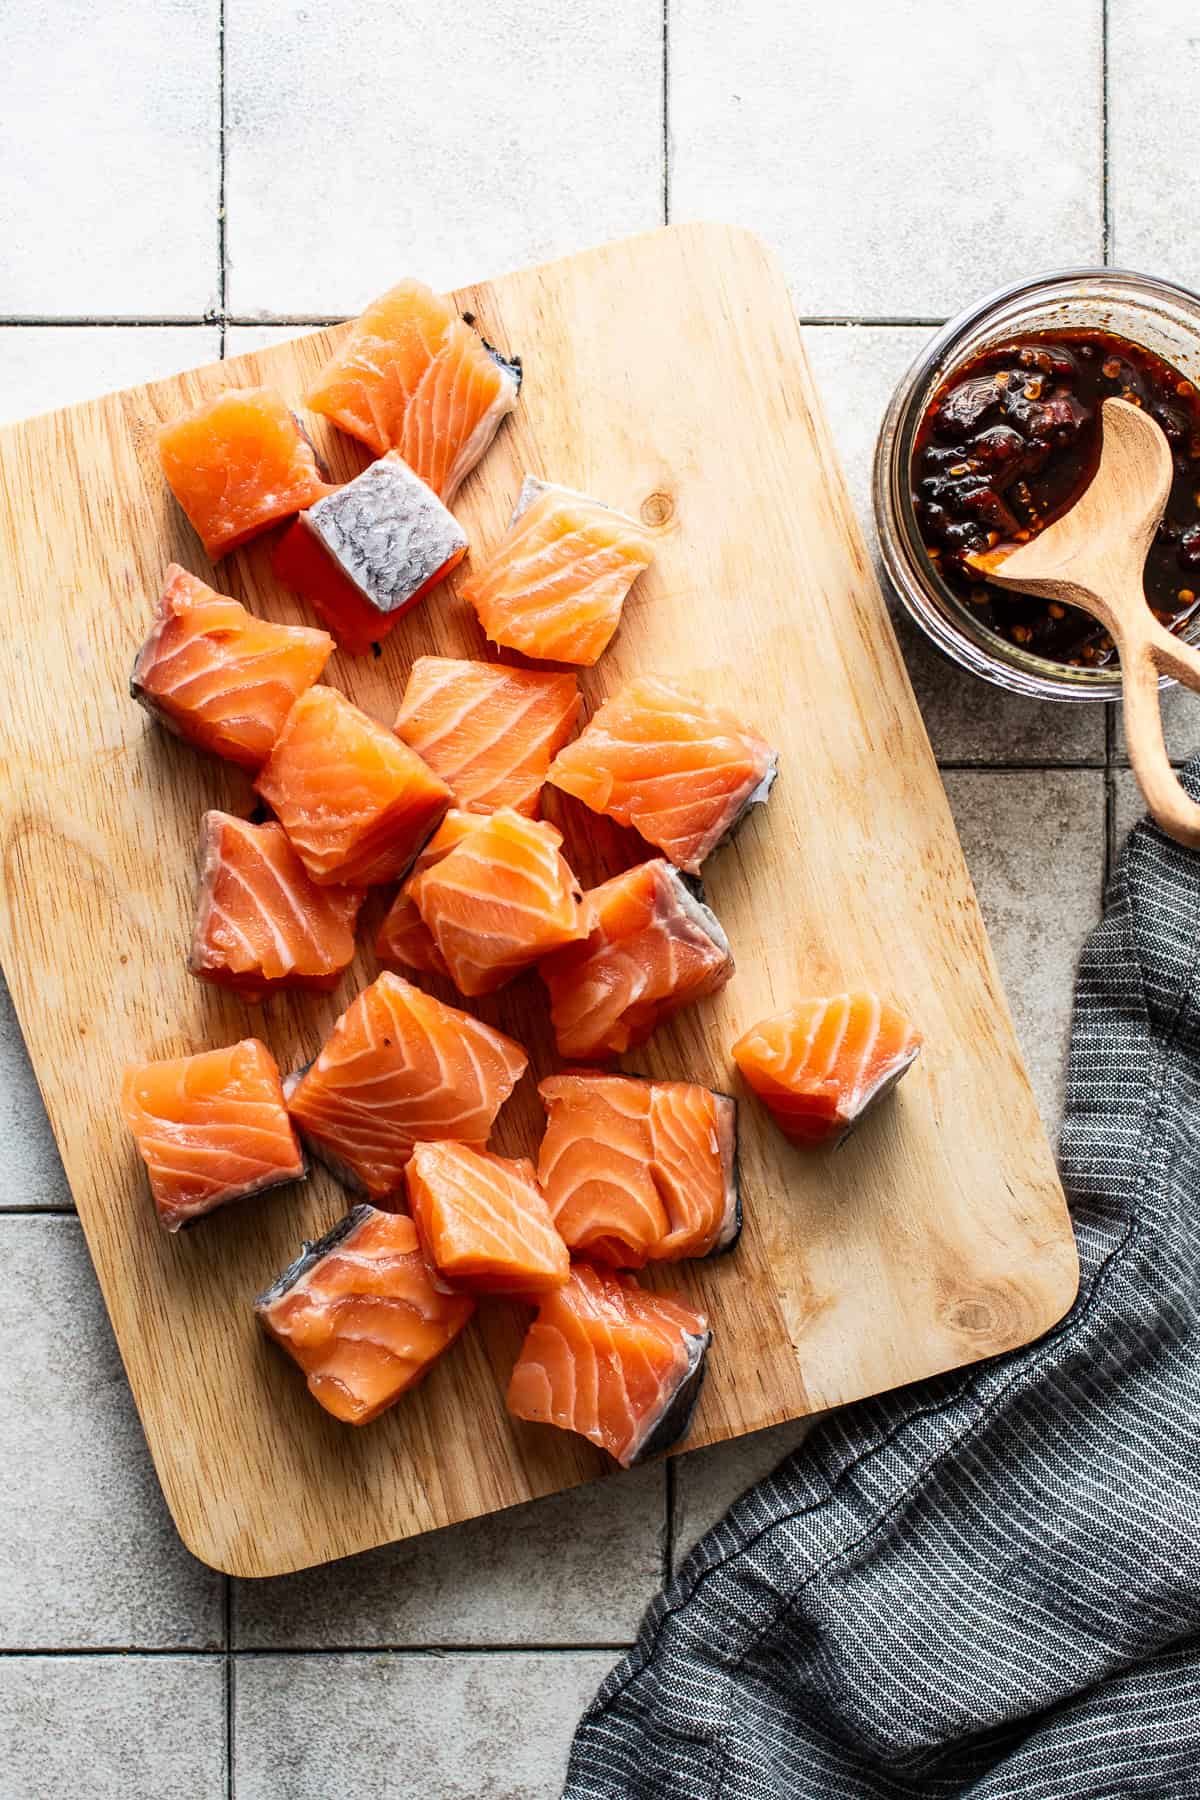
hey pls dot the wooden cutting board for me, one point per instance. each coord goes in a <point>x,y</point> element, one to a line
<point>665,375</point>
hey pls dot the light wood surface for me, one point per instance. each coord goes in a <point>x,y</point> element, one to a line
<point>1093,557</point>
<point>665,375</point>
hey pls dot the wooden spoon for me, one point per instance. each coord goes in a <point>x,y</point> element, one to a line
<point>1093,557</point>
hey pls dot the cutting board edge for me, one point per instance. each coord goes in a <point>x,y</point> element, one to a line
<point>1058,1305</point>
<point>677,228</point>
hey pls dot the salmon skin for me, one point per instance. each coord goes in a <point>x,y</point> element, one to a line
<point>412,376</point>
<point>218,677</point>
<point>488,730</point>
<point>400,1068</point>
<point>678,770</point>
<point>819,1066</point>
<point>359,1313</point>
<point>238,464</point>
<point>375,548</point>
<point>500,899</point>
<point>554,586</point>
<point>533,488</point>
<point>210,1129</point>
<point>356,803</point>
<point>404,937</point>
<point>614,1362</point>
<point>652,947</point>
<point>483,1222</point>
<point>638,1171</point>
<point>261,923</point>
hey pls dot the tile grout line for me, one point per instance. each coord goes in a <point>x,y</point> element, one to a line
<point>50,1652</point>
<point>108,321</point>
<point>891,321</point>
<point>222,257</point>
<point>666,110</point>
<point>38,1212</point>
<point>956,766</point>
<point>1105,199</point>
<point>230,1678</point>
<point>118,321</point>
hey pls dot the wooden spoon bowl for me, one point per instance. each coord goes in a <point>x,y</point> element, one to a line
<point>1093,557</point>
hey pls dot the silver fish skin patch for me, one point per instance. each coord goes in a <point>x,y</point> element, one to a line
<point>533,487</point>
<point>388,532</point>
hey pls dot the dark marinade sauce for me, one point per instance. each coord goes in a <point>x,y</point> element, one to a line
<point>1011,439</point>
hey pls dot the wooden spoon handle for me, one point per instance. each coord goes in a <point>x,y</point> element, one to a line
<point>1143,658</point>
<point>1175,658</point>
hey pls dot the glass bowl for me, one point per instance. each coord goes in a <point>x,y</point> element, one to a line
<point>1156,314</point>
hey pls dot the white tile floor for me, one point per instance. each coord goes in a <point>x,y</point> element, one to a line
<point>485,136</point>
<point>904,159</point>
<point>902,156</point>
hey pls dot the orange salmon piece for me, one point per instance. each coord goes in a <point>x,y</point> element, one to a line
<point>554,585</point>
<point>483,1222</point>
<point>820,1065</point>
<point>489,731</point>
<point>210,1129</point>
<point>404,937</point>
<point>356,803</point>
<point>359,1313</point>
<point>651,948</point>
<point>412,376</point>
<point>499,900</point>
<point>220,678</point>
<point>673,767</point>
<point>639,1171</point>
<point>608,1359</point>
<point>398,1069</point>
<point>261,922</point>
<point>239,463</point>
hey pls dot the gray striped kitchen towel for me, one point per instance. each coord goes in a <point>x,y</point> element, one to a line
<point>986,1585</point>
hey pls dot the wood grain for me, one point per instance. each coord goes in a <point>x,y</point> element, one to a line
<point>666,375</point>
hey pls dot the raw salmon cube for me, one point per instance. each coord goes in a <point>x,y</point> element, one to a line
<point>669,764</point>
<point>400,1068</point>
<point>210,1129</point>
<point>356,803</point>
<point>652,947</point>
<point>370,550</point>
<point>608,1359</point>
<point>239,463</point>
<point>489,730</point>
<point>412,376</point>
<point>501,898</point>
<point>554,586</point>
<point>358,1311</point>
<point>404,937</point>
<point>214,674</point>
<point>483,1221</point>
<point>262,923</point>
<point>820,1065</point>
<point>638,1171</point>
